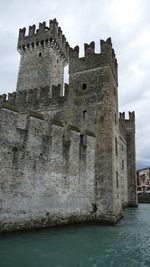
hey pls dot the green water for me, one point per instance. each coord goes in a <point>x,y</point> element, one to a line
<point>126,244</point>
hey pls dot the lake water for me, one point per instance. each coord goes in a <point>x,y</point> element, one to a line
<point>126,244</point>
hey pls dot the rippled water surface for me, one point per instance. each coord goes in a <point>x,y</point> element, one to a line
<point>126,244</point>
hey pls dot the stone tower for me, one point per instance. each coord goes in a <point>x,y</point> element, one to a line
<point>44,53</point>
<point>94,105</point>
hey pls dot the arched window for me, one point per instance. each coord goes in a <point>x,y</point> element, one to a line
<point>40,54</point>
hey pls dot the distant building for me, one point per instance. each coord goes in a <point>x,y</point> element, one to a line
<point>143,179</point>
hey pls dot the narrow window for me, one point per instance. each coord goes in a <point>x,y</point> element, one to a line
<point>40,54</point>
<point>122,164</point>
<point>115,118</point>
<point>81,139</point>
<point>116,146</point>
<point>114,91</point>
<point>84,86</point>
<point>84,114</point>
<point>117,184</point>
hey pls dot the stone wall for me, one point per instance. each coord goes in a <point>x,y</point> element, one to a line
<point>128,126</point>
<point>47,173</point>
<point>123,170</point>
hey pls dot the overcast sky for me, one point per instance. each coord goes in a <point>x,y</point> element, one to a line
<point>83,21</point>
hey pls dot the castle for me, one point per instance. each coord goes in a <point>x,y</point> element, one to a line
<point>66,155</point>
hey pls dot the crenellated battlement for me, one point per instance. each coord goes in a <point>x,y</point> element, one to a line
<point>106,47</point>
<point>122,115</point>
<point>44,36</point>
<point>35,98</point>
<point>129,123</point>
<point>74,52</point>
<point>93,60</point>
<point>131,116</point>
<point>89,49</point>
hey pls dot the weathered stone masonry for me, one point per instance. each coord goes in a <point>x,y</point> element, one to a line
<point>67,156</point>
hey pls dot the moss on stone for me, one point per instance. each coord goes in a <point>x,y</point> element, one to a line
<point>10,107</point>
<point>74,128</point>
<point>89,133</point>
<point>57,122</point>
<point>36,115</point>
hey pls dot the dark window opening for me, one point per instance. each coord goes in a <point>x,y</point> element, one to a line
<point>40,54</point>
<point>115,118</point>
<point>116,146</point>
<point>81,139</point>
<point>84,86</point>
<point>114,91</point>
<point>117,183</point>
<point>122,165</point>
<point>84,114</point>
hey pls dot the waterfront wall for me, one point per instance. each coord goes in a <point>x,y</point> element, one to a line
<point>47,172</point>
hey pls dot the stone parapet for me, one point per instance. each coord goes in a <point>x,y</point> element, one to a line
<point>33,99</point>
<point>44,36</point>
